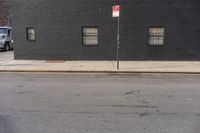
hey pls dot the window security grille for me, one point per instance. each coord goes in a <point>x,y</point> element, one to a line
<point>156,36</point>
<point>90,36</point>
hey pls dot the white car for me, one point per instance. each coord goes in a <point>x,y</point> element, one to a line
<point>6,42</point>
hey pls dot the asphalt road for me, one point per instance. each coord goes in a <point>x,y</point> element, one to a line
<point>72,103</point>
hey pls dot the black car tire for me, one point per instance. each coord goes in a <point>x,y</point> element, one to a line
<point>6,47</point>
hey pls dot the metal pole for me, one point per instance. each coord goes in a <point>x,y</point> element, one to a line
<point>118,41</point>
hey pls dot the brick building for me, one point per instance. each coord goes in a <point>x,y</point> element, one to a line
<point>85,29</point>
<point>4,12</point>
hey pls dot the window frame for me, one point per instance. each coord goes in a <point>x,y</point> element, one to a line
<point>27,35</point>
<point>148,36</point>
<point>9,33</point>
<point>82,34</point>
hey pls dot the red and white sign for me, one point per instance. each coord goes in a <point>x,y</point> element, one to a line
<point>116,11</point>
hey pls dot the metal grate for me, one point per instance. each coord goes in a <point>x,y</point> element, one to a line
<point>156,36</point>
<point>90,36</point>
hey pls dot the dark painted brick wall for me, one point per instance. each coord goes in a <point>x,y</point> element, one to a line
<point>4,12</point>
<point>58,25</point>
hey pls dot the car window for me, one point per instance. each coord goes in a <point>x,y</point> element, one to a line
<point>3,30</point>
<point>9,33</point>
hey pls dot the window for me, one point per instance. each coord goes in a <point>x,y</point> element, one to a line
<point>30,34</point>
<point>8,35</point>
<point>3,30</point>
<point>156,36</point>
<point>90,36</point>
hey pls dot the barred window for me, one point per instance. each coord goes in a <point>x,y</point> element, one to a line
<point>156,36</point>
<point>90,36</point>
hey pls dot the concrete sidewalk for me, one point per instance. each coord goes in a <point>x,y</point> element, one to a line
<point>8,64</point>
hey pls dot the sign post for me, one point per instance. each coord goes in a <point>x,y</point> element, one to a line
<point>116,13</point>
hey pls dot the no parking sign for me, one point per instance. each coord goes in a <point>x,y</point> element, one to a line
<point>116,14</point>
<point>116,11</point>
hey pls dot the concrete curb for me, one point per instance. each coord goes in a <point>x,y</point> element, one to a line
<point>8,64</point>
<point>99,72</point>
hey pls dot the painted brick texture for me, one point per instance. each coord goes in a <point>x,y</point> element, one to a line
<point>58,25</point>
<point>4,12</point>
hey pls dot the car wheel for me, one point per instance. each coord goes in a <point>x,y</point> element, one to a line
<point>6,47</point>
